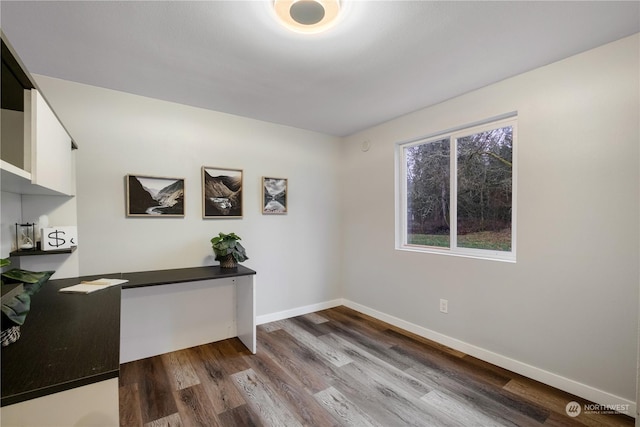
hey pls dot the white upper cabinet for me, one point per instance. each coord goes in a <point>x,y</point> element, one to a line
<point>35,148</point>
<point>51,165</point>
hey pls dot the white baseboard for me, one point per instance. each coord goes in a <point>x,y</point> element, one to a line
<point>299,311</point>
<point>585,391</point>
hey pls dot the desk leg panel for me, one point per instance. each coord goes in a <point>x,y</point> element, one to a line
<point>161,319</point>
<point>246,311</point>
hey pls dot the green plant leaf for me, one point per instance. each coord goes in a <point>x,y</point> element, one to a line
<point>17,308</point>
<point>32,280</point>
<point>26,276</point>
<point>227,244</point>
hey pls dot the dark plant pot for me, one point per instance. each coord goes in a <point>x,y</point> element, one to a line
<point>228,262</point>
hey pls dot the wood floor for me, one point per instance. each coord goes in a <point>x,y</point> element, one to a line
<point>337,367</point>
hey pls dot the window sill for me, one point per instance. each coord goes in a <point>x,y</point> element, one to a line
<point>489,256</point>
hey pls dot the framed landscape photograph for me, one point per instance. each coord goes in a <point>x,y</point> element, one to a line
<point>274,196</point>
<point>221,192</point>
<point>152,196</point>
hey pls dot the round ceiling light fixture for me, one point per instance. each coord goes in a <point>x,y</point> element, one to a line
<point>307,16</point>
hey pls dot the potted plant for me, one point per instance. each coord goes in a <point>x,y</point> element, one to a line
<point>228,250</point>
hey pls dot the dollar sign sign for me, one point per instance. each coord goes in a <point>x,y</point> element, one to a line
<point>54,235</point>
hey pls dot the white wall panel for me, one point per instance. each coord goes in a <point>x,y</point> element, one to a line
<point>93,405</point>
<point>161,319</point>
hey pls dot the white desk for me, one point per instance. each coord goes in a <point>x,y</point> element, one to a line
<point>169,310</point>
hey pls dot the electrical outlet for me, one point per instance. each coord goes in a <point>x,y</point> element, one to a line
<point>444,306</point>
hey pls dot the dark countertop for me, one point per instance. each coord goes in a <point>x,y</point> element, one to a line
<point>181,275</point>
<point>67,341</point>
<point>72,340</point>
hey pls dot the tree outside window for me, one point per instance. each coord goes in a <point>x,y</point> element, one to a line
<point>461,204</point>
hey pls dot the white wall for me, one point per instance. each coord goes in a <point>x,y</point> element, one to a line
<point>11,213</point>
<point>569,306</point>
<point>296,255</point>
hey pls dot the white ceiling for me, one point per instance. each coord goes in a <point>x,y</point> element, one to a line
<point>384,59</point>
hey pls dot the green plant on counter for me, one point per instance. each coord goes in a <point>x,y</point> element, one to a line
<point>3,263</point>
<point>15,306</point>
<point>229,251</point>
<point>16,303</point>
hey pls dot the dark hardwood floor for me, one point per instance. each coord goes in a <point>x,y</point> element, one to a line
<point>337,367</point>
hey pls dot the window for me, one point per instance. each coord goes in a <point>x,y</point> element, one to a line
<point>457,192</point>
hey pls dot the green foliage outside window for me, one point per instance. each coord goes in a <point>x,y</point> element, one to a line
<point>478,197</point>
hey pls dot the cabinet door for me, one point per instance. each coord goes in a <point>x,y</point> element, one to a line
<point>51,164</point>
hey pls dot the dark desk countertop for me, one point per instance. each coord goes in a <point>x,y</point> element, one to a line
<point>72,340</point>
<point>67,341</point>
<point>181,275</point>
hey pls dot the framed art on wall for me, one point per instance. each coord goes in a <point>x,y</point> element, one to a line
<point>274,195</point>
<point>221,192</point>
<point>152,196</point>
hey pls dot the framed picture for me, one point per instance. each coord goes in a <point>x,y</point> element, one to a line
<point>153,196</point>
<point>274,195</point>
<point>221,192</point>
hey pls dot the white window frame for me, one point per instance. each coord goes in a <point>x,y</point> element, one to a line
<point>401,191</point>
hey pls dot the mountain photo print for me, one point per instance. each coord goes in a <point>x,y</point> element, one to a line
<point>221,193</point>
<point>150,196</point>
<point>274,196</point>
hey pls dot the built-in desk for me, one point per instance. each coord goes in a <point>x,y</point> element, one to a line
<point>64,368</point>
<point>168,310</point>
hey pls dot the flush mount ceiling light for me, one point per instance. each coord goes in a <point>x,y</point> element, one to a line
<point>307,16</point>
